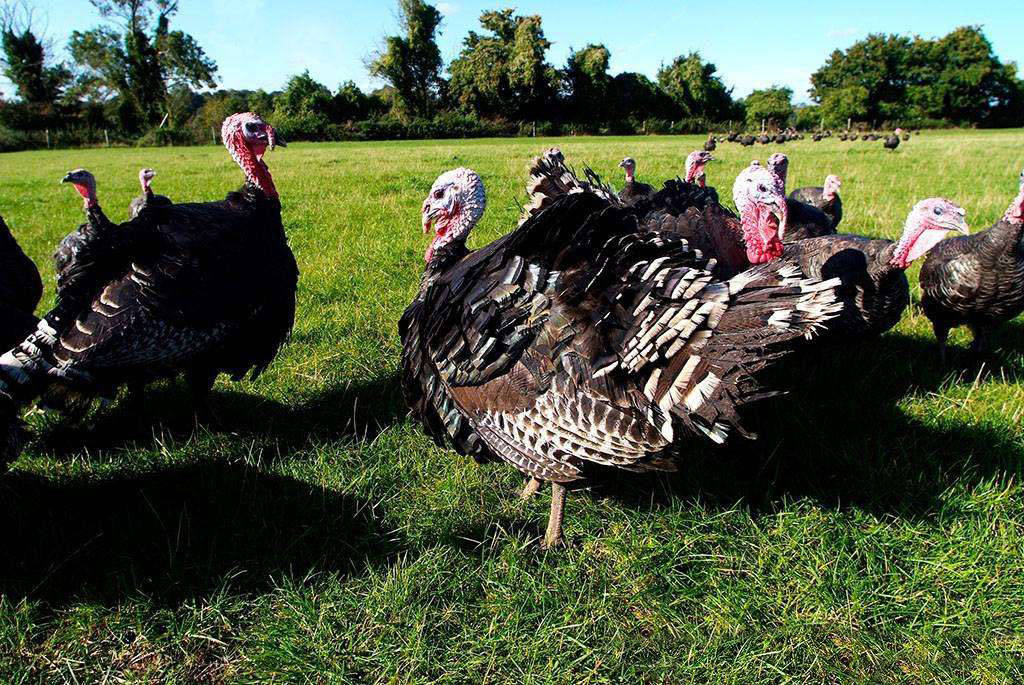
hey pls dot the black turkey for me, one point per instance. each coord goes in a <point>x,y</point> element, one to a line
<point>764,139</point>
<point>148,199</point>
<point>21,288</point>
<point>875,290</point>
<point>892,142</point>
<point>96,223</point>
<point>978,280</point>
<point>803,220</point>
<point>826,198</point>
<point>747,141</point>
<point>581,337</point>
<point>199,288</point>
<point>710,144</point>
<point>732,136</point>
<point>633,191</point>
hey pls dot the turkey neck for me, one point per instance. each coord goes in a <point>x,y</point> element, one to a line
<point>444,258</point>
<point>97,219</point>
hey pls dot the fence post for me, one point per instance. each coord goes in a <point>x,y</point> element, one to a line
<point>213,134</point>
<point>106,137</point>
<point>47,139</point>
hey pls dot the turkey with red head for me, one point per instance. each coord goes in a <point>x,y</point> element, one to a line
<point>805,221</point>
<point>96,223</point>
<point>826,198</point>
<point>21,288</point>
<point>582,337</point>
<point>198,288</point>
<point>875,290</point>
<point>978,280</point>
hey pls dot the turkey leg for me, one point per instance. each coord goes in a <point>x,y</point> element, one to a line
<point>553,537</point>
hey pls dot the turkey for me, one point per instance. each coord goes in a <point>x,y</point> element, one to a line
<point>747,141</point>
<point>764,139</point>
<point>710,144</point>
<point>826,198</point>
<point>893,141</point>
<point>803,220</point>
<point>875,290</point>
<point>21,288</point>
<point>579,337</point>
<point>686,209</point>
<point>780,138</point>
<point>732,136</point>
<point>633,191</point>
<point>147,199</point>
<point>199,288</point>
<point>978,280</point>
<point>694,169</point>
<point>96,223</point>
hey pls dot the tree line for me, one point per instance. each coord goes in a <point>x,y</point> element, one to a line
<point>135,78</point>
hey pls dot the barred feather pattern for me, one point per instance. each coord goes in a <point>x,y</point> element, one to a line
<point>550,178</point>
<point>582,337</point>
<point>975,280</point>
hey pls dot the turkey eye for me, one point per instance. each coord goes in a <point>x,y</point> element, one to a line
<point>438,194</point>
<point>938,210</point>
<point>762,189</point>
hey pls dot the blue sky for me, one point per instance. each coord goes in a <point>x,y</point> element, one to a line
<point>258,43</point>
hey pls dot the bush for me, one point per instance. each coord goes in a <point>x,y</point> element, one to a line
<point>164,137</point>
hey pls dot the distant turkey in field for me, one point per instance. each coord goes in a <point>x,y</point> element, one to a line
<point>826,198</point>
<point>147,199</point>
<point>634,190</point>
<point>580,337</point>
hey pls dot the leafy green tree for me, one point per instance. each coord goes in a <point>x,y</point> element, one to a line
<point>840,105</point>
<point>695,88</point>
<point>879,64</point>
<point>890,78</point>
<point>771,104</point>
<point>504,73</point>
<point>138,59</point>
<point>638,97</point>
<point>303,96</point>
<point>25,61</point>
<point>588,83</point>
<point>351,103</point>
<point>411,64</point>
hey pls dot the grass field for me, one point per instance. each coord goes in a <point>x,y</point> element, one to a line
<point>875,532</point>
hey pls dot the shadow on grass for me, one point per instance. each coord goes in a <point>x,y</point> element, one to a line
<point>840,438</point>
<point>175,534</point>
<point>355,412</point>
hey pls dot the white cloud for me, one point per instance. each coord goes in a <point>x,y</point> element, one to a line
<point>447,8</point>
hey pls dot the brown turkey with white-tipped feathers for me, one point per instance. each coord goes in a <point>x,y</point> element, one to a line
<point>581,337</point>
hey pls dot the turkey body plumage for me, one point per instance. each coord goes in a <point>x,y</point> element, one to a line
<point>21,288</point>
<point>975,280</point>
<point>806,221</point>
<point>873,292</point>
<point>813,196</point>
<point>582,337</point>
<point>202,288</point>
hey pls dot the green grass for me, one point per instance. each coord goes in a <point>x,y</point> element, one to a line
<point>875,533</point>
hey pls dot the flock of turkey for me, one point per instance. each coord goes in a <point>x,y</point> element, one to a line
<point>890,142</point>
<point>608,327</point>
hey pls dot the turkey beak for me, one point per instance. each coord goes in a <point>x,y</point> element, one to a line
<point>960,223</point>
<point>426,215</point>
<point>67,179</point>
